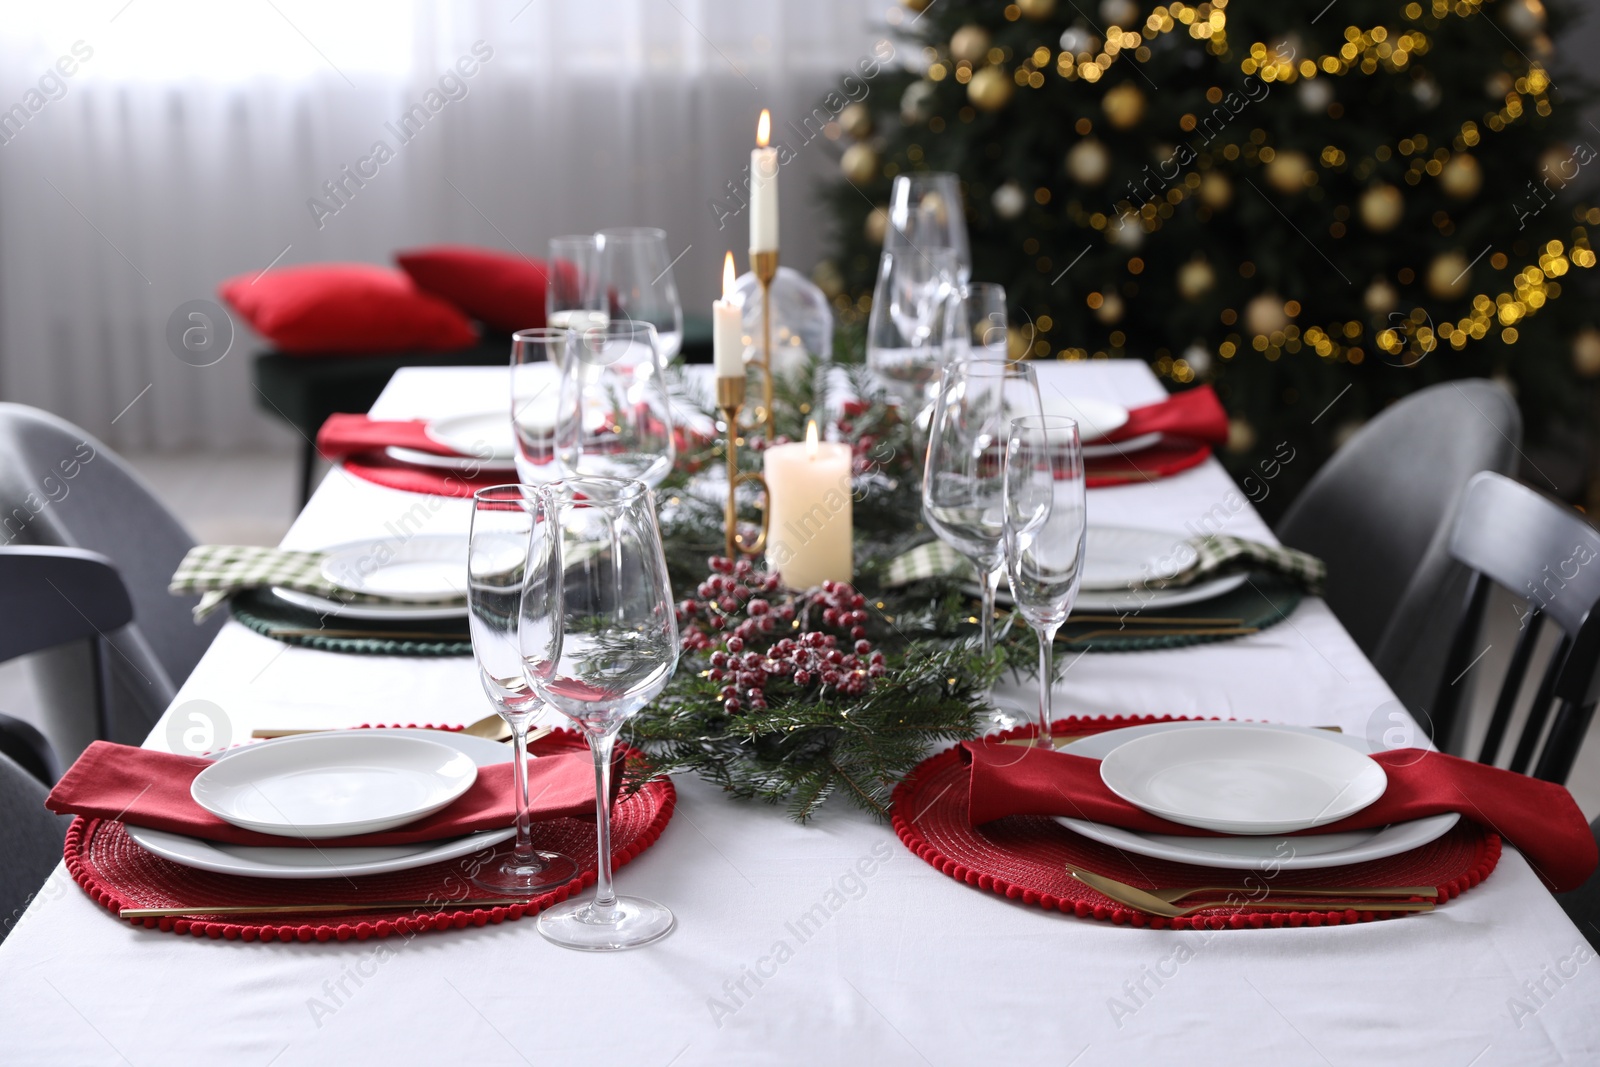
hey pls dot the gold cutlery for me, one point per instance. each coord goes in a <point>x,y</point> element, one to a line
<point>490,727</point>
<point>396,635</point>
<point>1148,902</point>
<point>1058,740</point>
<point>317,909</point>
<point>1156,620</point>
<point>1172,896</point>
<point>1206,631</point>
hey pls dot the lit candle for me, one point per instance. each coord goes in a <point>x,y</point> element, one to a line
<point>809,512</point>
<point>764,190</point>
<point>727,328</point>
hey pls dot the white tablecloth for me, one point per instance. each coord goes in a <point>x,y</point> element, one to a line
<point>910,967</point>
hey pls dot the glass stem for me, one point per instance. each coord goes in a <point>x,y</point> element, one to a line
<point>605,897</point>
<point>1047,640</point>
<point>991,583</point>
<point>524,856</point>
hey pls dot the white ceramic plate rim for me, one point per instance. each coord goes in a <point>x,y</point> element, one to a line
<point>352,566</point>
<point>1096,418</point>
<point>1125,573</point>
<point>1157,599</point>
<point>465,433</point>
<point>418,458</point>
<point>1127,771</point>
<point>1118,448</point>
<point>254,861</point>
<point>381,612</point>
<point>214,788</point>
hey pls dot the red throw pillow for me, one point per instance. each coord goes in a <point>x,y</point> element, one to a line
<point>345,308</point>
<point>502,291</point>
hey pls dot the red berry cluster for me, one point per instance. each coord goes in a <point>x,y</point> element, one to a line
<point>738,628</point>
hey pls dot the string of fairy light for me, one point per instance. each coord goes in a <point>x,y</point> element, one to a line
<point>1364,52</point>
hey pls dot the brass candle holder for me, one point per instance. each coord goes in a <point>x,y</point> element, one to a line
<point>765,267</point>
<point>730,400</point>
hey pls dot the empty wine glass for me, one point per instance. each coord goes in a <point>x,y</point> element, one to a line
<point>613,415</point>
<point>975,322</point>
<point>925,213</point>
<point>536,358</point>
<point>902,341</point>
<point>1044,532</point>
<point>635,274</point>
<point>963,481</point>
<point>502,520</point>
<point>599,642</point>
<point>573,295</point>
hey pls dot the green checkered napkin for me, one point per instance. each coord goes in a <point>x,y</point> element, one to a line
<point>1216,555</point>
<point>219,571</point>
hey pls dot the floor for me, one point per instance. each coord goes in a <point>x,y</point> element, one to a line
<point>251,499</point>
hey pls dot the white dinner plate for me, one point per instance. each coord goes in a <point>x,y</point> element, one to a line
<point>1096,418</point>
<point>296,863</point>
<point>1308,852</point>
<point>334,784</point>
<point>397,612</point>
<point>1118,448</point>
<point>1157,599</point>
<point>420,567</point>
<point>466,464</point>
<point>482,433</point>
<point>1121,557</point>
<point>1242,779</point>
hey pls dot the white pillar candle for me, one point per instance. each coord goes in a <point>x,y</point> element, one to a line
<point>810,522</point>
<point>727,328</point>
<point>764,190</point>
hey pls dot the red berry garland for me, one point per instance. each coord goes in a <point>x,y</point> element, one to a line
<point>737,616</point>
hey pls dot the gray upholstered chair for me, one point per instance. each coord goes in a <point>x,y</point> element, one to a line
<point>1378,514</point>
<point>86,551</point>
<point>30,840</point>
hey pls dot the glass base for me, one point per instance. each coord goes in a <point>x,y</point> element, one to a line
<point>513,879</point>
<point>1005,714</point>
<point>633,921</point>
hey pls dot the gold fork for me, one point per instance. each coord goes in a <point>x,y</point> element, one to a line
<point>1146,901</point>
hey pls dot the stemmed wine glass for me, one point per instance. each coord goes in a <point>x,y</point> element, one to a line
<point>903,342</point>
<point>573,295</point>
<point>1044,532</point>
<point>963,485</point>
<point>975,322</point>
<point>613,415</point>
<point>599,642</point>
<point>502,520</point>
<point>536,359</point>
<point>925,212</point>
<point>635,276</point>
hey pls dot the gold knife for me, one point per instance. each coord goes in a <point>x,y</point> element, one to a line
<point>316,909</point>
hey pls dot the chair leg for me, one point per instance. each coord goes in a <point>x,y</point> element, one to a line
<point>308,467</point>
<point>101,670</point>
<point>1566,737</point>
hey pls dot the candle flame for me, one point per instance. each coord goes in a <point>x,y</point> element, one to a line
<point>728,277</point>
<point>764,128</point>
<point>811,439</point>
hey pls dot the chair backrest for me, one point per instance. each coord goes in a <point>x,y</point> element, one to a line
<point>1509,535</point>
<point>61,486</point>
<point>30,840</point>
<point>1374,509</point>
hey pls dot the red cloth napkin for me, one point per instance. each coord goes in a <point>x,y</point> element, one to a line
<point>360,441</point>
<point>147,788</point>
<point>1539,817</point>
<point>1193,413</point>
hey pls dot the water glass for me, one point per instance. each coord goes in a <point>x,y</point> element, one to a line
<point>573,295</point>
<point>904,344</point>
<point>975,322</point>
<point>635,271</point>
<point>536,358</point>
<point>613,413</point>
<point>925,213</point>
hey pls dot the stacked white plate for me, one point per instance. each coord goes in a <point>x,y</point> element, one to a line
<point>481,441</point>
<point>1253,783</point>
<point>418,578</point>
<point>340,783</point>
<point>1097,420</point>
<point>1119,560</point>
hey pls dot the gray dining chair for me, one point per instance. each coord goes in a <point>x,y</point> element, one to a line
<point>86,551</point>
<point>1377,514</point>
<point>1582,904</point>
<point>30,840</point>
<point>1506,534</point>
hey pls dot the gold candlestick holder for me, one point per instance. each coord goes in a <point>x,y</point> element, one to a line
<point>730,400</point>
<point>765,267</point>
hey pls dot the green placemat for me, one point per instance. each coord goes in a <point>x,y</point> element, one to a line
<point>1262,601</point>
<point>273,617</point>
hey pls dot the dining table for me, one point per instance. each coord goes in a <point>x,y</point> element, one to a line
<point>824,942</point>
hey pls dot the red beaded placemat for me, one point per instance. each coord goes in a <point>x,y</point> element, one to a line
<point>118,874</point>
<point>1026,857</point>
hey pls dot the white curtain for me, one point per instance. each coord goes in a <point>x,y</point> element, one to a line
<point>190,138</point>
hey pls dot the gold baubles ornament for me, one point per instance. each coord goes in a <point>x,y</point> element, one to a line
<point>859,163</point>
<point>1110,309</point>
<point>1125,232</point>
<point>1037,9</point>
<point>1448,275</point>
<point>1241,436</point>
<point>991,88</point>
<point>877,225</point>
<point>856,120</point>
<point>1288,171</point>
<point>1088,163</point>
<point>1525,17</point>
<point>1119,12</point>
<point>1381,208</point>
<point>1264,314</point>
<point>1009,200</point>
<point>1075,40</point>
<point>916,103</point>
<point>1216,190</point>
<point>1498,85</point>
<point>1586,352</point>
<point>1461,177</point>
<point>1195,279</point>
<point>1124,106</point>
<point>1380,297</point>
<point>970,44</point>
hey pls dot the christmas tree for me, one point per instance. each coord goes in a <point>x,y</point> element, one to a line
<point>1318,209</point>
